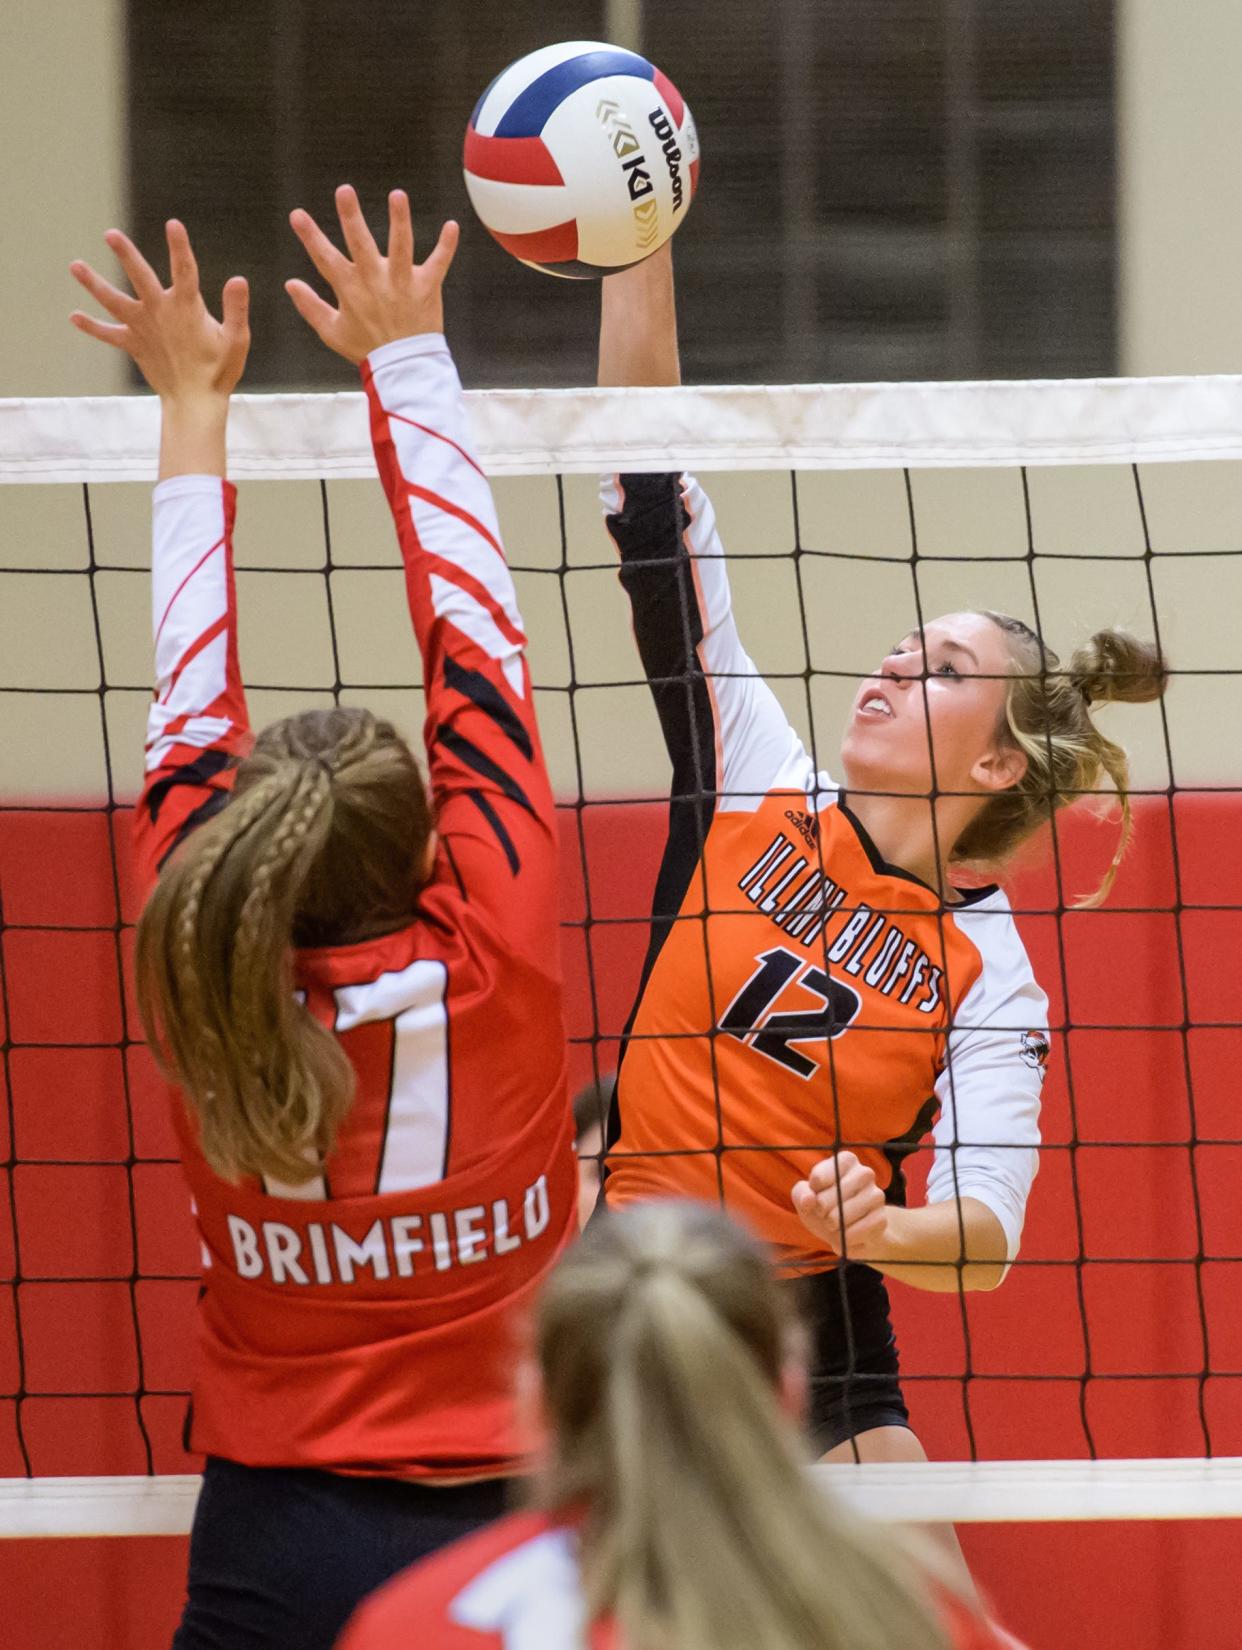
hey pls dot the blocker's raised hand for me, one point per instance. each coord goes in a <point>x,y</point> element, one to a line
<point>379,298</point>
<point>841,1203</point>
<point>177,344</point>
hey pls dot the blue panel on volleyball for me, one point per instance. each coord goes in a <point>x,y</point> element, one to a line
<point>526,115</point>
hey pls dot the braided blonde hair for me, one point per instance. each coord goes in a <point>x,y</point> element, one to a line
<point>1047,716</point>
<point>661,1340</point>
<point>322,843</point>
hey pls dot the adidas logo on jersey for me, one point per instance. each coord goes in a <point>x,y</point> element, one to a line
<point>806,825</point>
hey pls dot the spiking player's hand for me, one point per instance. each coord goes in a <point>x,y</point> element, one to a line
<point>841,1203</point>
<point>380,299</point>
<point>182,351</point>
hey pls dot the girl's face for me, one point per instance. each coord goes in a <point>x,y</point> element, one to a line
<point>940,693</point>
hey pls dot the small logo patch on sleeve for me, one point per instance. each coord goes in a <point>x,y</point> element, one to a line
<point>1035,1050</point>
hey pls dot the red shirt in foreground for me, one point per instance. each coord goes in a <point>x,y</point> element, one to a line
<point>515,1586</point>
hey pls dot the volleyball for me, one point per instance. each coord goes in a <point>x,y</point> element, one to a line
<point>581,159</point>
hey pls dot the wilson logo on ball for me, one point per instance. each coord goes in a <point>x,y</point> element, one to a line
<point>581,159</point>
<point>663,129</point>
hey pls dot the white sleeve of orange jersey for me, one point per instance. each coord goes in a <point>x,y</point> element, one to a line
<point>987,1134</point>
<point>759,748</point>
<point>664,525</point>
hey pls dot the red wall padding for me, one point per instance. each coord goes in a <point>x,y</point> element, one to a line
<point>1149,993</point>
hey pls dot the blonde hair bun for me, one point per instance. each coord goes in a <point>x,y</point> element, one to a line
<point>1116,667</point>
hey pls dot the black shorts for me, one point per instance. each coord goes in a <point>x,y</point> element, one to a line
<point>854,1374</point>
<point>280,1557</point>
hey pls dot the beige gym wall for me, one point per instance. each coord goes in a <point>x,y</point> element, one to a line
<point>1180,228</point>
<point>62,183</point>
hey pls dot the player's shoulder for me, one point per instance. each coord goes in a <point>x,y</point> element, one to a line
<point>1005,982</point>
<point>985,917</point>
<point>429,939</point>
<point>424,1595</point>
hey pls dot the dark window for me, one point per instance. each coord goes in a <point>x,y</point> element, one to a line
<point>918,189</point>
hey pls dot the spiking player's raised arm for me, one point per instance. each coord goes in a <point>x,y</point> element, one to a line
<point>351,978</point>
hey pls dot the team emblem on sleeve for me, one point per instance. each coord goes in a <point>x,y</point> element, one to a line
<point>1035,1050</point>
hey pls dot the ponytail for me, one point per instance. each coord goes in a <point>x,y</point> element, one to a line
<point>662,1344</point>
<point>324,840</point>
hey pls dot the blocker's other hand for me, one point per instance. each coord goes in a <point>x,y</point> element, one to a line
<point>379,298</point>
<point>181,350</point>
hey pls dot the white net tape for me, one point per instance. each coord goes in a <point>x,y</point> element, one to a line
<point>957,1492</point>
<point>575,432</point>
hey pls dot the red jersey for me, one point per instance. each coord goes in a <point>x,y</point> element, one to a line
<point>516,1586</point>
<point>363,1322</point>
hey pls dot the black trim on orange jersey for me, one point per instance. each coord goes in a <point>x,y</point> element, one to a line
<point>885,868</point>
<point>649,532</point>
<point>487,697</point>
<point>896,1151</point>
<point>465,750</point>
<point>497,824</point>
<point>201,772</point>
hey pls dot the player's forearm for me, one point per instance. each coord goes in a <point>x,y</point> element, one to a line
<point>197,724</point>
<point>191,591</point>
<point>416,378</point>
<point>420,440</point>
<point>440,499</point>
<point>638,324</point>
<point>193,435</point>
<point>442,506</point>
<point>937,1249</point>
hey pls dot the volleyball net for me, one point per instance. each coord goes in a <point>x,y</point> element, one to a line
<point>1104,1379</point>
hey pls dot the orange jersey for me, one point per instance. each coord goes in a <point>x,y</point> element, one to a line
<point>517,1584</point>
<point>798,991</point>
<point>363,1321</point>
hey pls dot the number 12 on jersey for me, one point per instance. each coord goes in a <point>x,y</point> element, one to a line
<point>750,1017</point>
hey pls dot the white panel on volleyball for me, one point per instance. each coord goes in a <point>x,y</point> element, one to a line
<point>519,209</point>
<point>601,139</point>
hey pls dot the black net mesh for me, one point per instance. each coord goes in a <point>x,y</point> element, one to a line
<point>1119,1330</point>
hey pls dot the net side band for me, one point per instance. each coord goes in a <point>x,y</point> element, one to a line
<point>957,1492</point>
